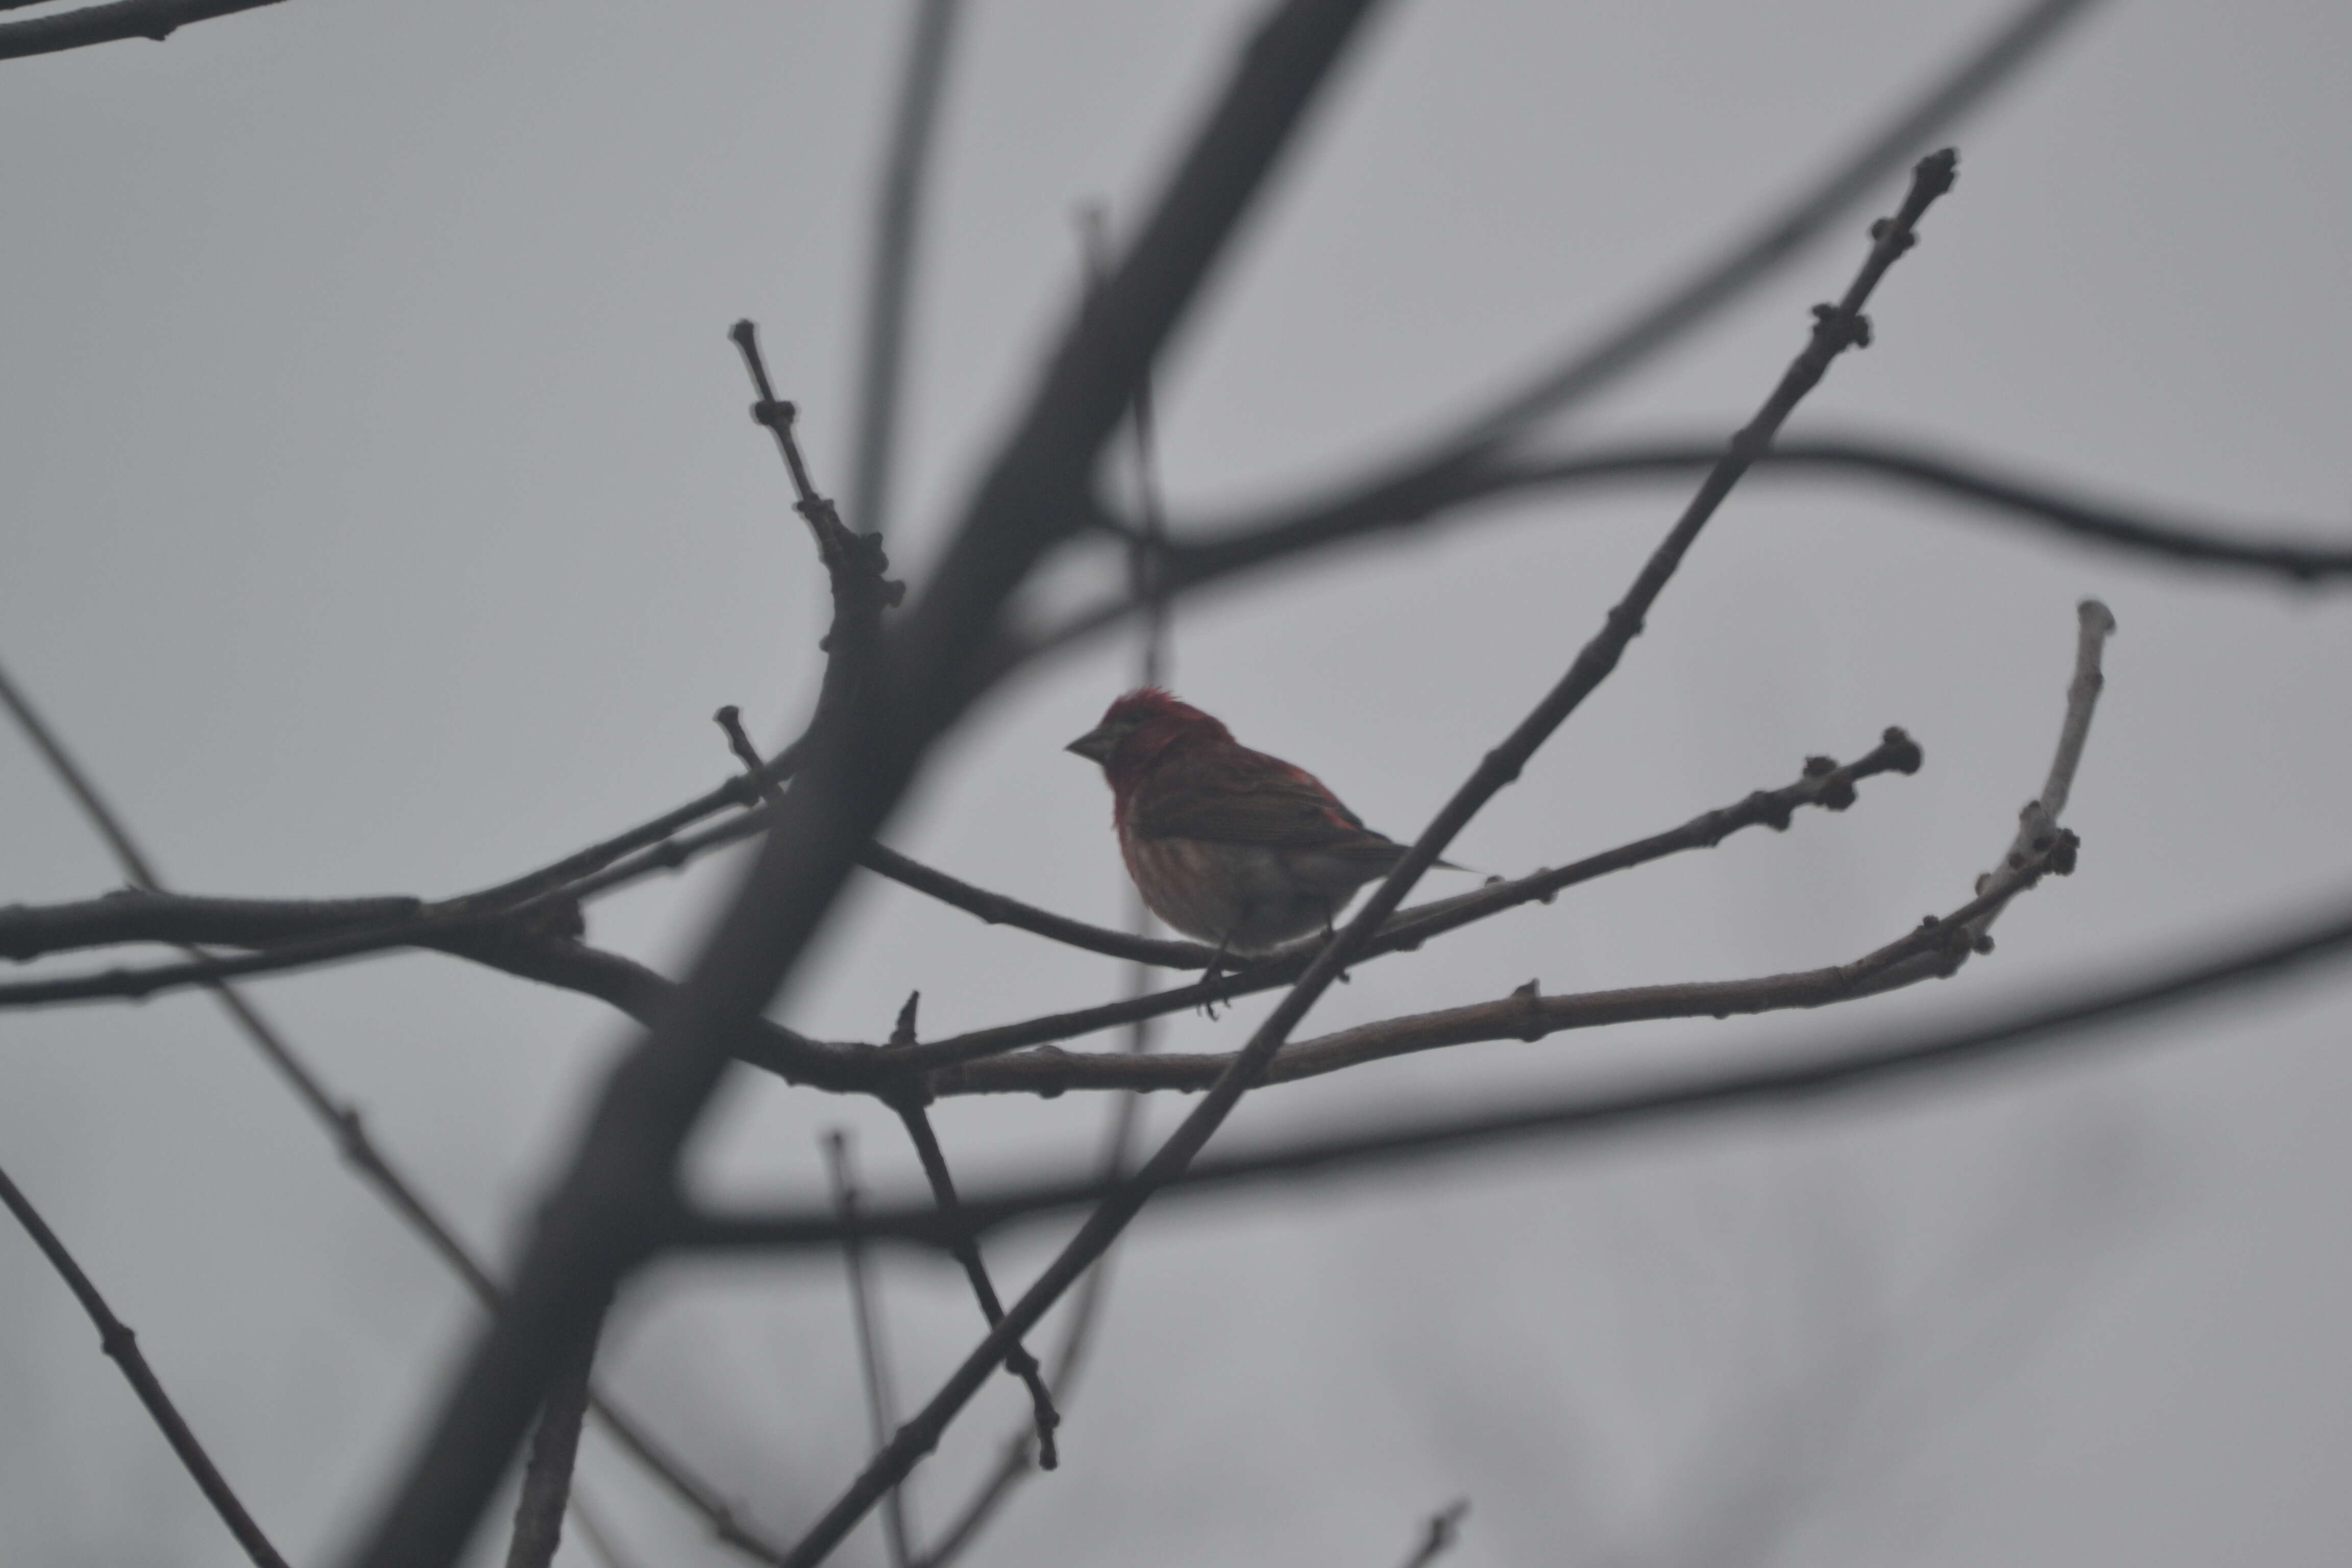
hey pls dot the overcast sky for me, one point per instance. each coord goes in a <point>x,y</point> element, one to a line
<point>383,517</point>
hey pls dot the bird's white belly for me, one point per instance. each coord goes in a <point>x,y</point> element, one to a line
<point>1245,896</point>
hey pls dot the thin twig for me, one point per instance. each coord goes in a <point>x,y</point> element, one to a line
<point>345,1124</point>
<point>114,1336</point>
<point>2037,824</point>
<point>873,1356</point>
<point>1018,1361</point>
<point>890,277</point>
<point>547,1474</point>
<point>1438,1535</point>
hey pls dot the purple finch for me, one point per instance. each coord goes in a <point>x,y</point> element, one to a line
<point>1227,845</point>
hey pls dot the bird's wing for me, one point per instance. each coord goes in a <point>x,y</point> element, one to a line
<point>1242,797</point>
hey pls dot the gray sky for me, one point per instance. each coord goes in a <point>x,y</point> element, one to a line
<point>383,517</point>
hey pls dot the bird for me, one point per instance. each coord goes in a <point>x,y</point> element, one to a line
<point>1227,845</point>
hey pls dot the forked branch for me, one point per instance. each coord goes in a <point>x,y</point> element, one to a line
<point>1836,328</point>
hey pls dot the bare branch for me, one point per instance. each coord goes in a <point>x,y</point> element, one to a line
<point>897,243</point>
<point>1018,1361</point>
<point>642,994</point>
<point>613,1204</point>
<point>547,1474</point>
<point>346,1126</point>
<point>2037,825</point>
<point>1836,328</point>
<point>996,909</point>
<point>1929,951</point>
<point>1437,1536</point>
<point>554,960</point>
<point>873,1356</point>
<point>106,24</point>
<point>2075,1018</point>
<point>1209,554</point>
<point>1017,1459</point>
<point>1823,784</point>
<point>1777,240</point>
<point>114,1336</point>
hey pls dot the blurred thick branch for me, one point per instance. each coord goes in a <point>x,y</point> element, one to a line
<point>613,1206</point>
<point>106,24</point>
<point>897,247</point>
<point>1206,553</point>
<point>1438,1535</point>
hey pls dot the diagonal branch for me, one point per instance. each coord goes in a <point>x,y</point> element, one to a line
<point>348,1128</point>
<point>1018,1361</point>
<point>873,1357</point>
<point>1836,328</point>
<point>546,1489</point>
<point>890,278</point>
<point>1701,294</point>
<point>1438,1535</point>
<point>106,24</point>
<point>114,1336</point>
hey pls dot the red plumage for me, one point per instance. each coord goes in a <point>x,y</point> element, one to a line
<point>1227,845</point>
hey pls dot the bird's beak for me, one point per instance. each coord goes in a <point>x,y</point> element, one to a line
<point>1096,745</point>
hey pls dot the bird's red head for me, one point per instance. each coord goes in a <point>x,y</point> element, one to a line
<point>1140,727</point>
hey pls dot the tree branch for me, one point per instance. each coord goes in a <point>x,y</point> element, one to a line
<point>547,1473</point>
<point>1525,1014</point>
<point>641,993</point>
<point>344,1123</point>
<point>1830,787</point>
<point>890,277</point>
<point>613,1205</point>
<point>1438,1534</point>
<point>1018,1361</point>
<point>2069,1019</point>
<point>156,19</point>
<point>114,1336</point>
<point>1017,1459</point>
<point>873,1357</point>
<point>1207,554</point>
<point>1836,328</point>
<point>1640,336</point>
